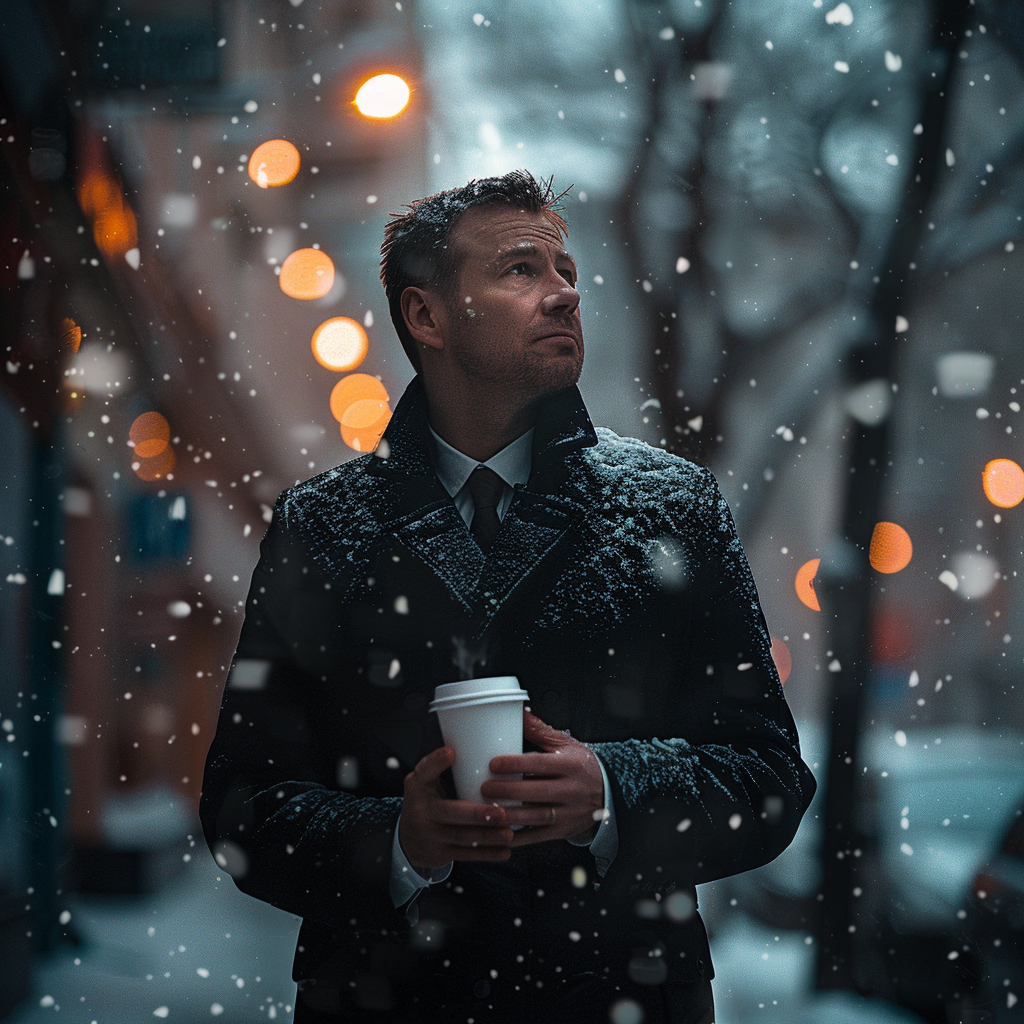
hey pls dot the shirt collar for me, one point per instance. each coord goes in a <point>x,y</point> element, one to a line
<point>512,463</point>
<point>563,427</point>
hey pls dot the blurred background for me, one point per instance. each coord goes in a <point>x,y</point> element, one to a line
<point>799,230</point>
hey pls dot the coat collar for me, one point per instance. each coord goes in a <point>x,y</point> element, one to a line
<point>563,425</point>
<point>422,515</point>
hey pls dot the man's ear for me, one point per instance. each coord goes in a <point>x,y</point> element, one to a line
<point>422,313</point>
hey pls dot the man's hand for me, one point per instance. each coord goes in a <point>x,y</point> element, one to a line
<point>564,776</point>
<point>434,830</point>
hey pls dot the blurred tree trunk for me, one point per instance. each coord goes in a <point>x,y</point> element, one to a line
<point>687,424</point>
<point>845,579</point>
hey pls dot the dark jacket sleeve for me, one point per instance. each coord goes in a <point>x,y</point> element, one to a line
<point>272,813</point>
<point>728,780</point>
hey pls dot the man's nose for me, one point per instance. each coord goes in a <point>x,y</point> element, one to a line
<point>563,299</point>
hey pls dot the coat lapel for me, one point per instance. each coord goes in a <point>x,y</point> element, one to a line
<point>541,518</point>
<point>423,517</point>
<point>437,535</point>
<point>419,511</point>
<point>533,531</point>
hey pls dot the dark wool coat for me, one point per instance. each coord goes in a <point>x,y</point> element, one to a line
<point>619,595</point>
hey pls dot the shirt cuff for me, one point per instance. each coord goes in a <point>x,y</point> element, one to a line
<point>605,845</point>
<point>406,882</point>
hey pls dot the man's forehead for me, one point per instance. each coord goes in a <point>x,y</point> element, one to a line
<point>494,230</point>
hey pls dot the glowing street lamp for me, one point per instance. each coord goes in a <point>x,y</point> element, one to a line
<point>340,344</point>
<point>307,274</point>
<point>356,387</point>
<point>804,584</point>
<point>150,434</point>
<point>891,548</point>
<point>70,335</point>
<point>156,467</point>
<point>382,96</point>
<point>1003,481</point>
<point>363,423</point>
<point>359,403</point>
<point>274,163</point>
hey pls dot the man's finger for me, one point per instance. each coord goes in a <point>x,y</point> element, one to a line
<point>541,791</point>
<point>433,764</point>
<point>533,763</point>
<point>464,812</point>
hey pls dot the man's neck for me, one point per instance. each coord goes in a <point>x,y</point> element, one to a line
<point>480,429</point>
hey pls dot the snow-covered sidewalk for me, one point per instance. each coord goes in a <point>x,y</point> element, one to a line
<point>195,950</point>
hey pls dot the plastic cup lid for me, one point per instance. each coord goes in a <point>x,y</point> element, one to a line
<point>509,692</point>
<point>495,697</point>
<point>475,687</point>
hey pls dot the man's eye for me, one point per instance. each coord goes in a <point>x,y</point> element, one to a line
<point>518,268</point>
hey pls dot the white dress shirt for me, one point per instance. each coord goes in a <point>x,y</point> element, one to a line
<point>513,465</point>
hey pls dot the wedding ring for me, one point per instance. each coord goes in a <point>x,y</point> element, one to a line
<point>552,815</point>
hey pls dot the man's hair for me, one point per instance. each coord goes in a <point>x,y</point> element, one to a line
<point>417,250</point>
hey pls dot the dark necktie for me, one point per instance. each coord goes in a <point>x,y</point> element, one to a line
<point>486,486</point>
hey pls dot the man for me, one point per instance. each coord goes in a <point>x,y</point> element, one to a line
<point>603,573</point>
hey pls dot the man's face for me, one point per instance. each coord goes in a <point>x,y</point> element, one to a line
<point>513,321</point>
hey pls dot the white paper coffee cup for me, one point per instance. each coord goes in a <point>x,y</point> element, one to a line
<point>480,719</point>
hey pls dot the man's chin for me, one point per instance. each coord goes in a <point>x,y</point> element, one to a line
<point>537,379</point>
<point>561,374</point>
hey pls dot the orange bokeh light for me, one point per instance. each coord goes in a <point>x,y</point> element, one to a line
<point>102,200</point>
<point>156,467</point>
<point>382,96</point>
<point>1003,481</point>
<point>307,274</point>
<point>114,229</point>
<point>891,549</point>
<point>274,163</point>
<point>149,435</point>
<point>70,335</point>
<point>356,387</point>
<point>97,192</point>
<point>782,658</point>
<point>805,584</point>
<point>340,344</point>
<point>364,413</point>
<point>359,434</point>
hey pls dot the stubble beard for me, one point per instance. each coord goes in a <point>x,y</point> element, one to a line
<point>529,377</point>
